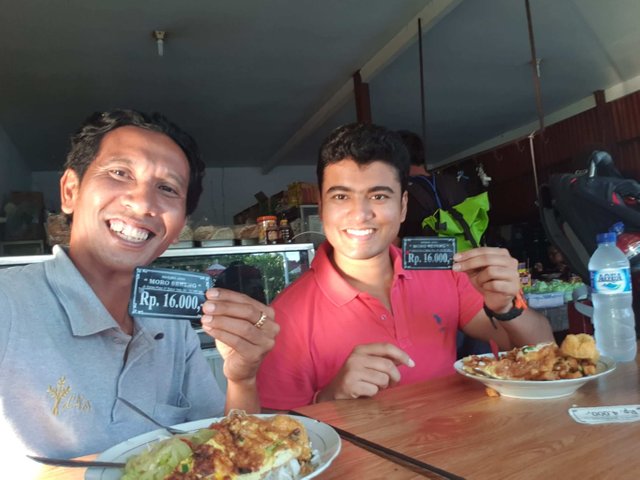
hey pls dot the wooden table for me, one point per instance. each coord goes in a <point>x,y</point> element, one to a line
<point>451,423</point>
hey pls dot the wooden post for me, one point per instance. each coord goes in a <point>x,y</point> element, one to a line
<point>363,104</point>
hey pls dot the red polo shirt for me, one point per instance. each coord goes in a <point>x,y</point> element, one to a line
<point>322,319</point>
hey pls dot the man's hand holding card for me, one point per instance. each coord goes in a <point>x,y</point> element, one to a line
<point>243,328</point>
<point>493,272</point>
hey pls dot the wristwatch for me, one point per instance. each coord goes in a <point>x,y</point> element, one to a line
<point>514,312</point>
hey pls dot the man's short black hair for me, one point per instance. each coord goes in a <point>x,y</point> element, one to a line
<point>85,144</point>
<point>364,143</point>
<point>415,146</point>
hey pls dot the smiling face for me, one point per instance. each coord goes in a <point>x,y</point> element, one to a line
<point>131,203</point>
<point>362,207</point>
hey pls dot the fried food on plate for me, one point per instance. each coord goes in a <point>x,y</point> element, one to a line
<point>545,361</point>
<point>491,392</point>
<point>581,345</point>
<point>241,446</point>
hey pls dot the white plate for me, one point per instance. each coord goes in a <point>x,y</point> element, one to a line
<point>324,440</point>
<point>538,389</point>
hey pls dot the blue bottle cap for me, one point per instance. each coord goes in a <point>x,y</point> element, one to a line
<point>617,227</point>
<point>609,237</point>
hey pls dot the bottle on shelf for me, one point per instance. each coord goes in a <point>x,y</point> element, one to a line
<point>273,234</point>
<point>613,318</point>
<point>285,231</point>
<point>267,226</point>
<point>525,275</point>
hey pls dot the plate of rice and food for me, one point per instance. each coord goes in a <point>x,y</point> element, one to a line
<point>238,446</point>
<point>539,371</point>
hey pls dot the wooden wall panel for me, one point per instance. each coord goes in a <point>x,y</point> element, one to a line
<point>626,117</point>
<point>566,148</point>
<point>511,201</point>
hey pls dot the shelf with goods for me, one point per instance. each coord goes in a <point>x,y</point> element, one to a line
<point>298,204</point>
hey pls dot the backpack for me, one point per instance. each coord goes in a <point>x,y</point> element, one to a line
<point>448,212</point>
<point>575,207</point>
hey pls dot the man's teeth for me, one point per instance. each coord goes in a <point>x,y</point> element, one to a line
<point>128,232</point>
<point>360,233</point>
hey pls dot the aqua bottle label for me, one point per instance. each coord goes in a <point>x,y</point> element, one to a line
<point>609,281</point>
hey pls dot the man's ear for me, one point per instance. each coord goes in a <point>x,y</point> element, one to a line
<point>69,187</point>
<point>405,202</point>
<point>177,239</point>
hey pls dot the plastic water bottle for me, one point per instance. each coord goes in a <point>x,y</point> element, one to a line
<point>613,319</point>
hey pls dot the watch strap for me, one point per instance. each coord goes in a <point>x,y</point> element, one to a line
<point>519,305</point>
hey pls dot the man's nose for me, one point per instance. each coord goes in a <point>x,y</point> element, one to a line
<point>140,199</point>
<point>361,209</point>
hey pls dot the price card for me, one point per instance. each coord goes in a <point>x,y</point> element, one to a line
<point>599,415</point>
<point>167,293</point>
<point>428,253</point>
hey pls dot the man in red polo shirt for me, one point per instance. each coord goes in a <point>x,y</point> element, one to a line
<point>357,322</point>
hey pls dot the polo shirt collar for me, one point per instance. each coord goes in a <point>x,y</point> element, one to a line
<point>334,286</point>
<point>85,312</point>
<point>396,258</point>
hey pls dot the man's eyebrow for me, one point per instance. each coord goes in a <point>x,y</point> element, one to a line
<point>381,188</point>
<point>376,188</point>
<point>339,188</point>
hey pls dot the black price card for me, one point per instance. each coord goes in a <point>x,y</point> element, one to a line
<point>167,293</point>
<point>428,253</point>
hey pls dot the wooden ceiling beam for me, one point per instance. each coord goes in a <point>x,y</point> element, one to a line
<point>363,102</point>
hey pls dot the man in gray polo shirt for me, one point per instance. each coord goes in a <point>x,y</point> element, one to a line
<point>68,347</point>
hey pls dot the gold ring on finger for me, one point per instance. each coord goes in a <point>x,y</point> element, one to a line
<point>261,320</point>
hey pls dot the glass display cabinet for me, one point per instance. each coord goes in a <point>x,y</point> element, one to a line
<point>260,271</point>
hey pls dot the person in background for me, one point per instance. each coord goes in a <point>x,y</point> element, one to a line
<point>557,269</point>
<point>357,322</point>
<point>69,348</point>
<point>426,192</point>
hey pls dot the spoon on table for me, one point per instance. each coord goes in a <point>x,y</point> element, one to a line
<point>63,462</point>
<point>171,430</point>
<point>494,349</point>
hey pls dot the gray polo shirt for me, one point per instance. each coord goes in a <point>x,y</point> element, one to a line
<point>64,360</point>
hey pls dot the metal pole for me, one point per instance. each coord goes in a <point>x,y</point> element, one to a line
<point>423,110</point>
<point>535,68</point>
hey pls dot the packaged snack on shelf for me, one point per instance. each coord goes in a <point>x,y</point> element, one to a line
<point>58,229</point>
